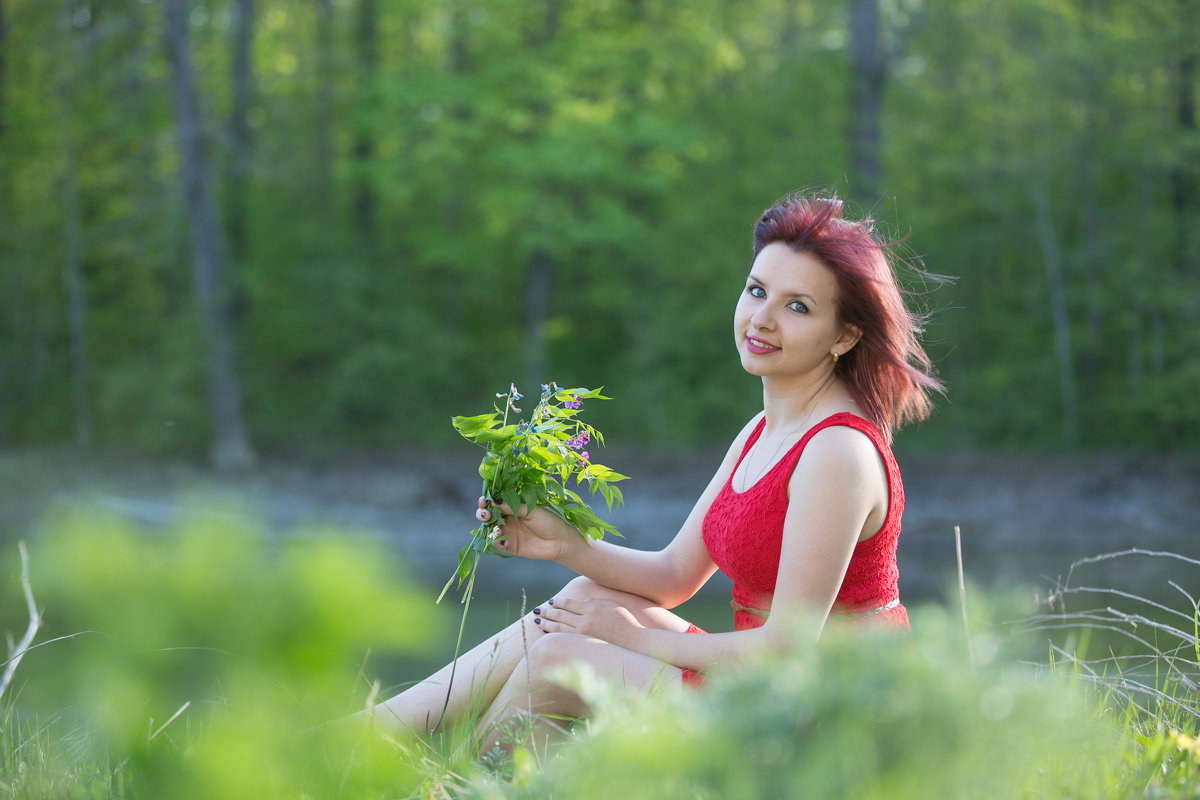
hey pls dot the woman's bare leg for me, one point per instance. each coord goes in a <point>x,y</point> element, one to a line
<point>479,674</point>
<point>532,690</point>
<point>488,667</point>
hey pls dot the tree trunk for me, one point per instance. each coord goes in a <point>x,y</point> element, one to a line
<point>1092,264</point>
<point>459,115</point>
<point>367,39</point>
<point>73,278</point>
<point>537,309</point>
<point>5,211</point>
<point>76,295</point>
<point>239,128</point>
<point>3,73</point>
<point>1058,313</point>
<point>1185,176</point>
<point>866,100</point>
<point>540,269</point>
<point>1147,296</point>
<point>325,111</point>
<point>231,447</point>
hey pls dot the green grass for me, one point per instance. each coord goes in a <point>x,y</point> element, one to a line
<point>199,659</point>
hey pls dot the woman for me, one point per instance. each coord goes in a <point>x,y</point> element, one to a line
<point>803,513</point>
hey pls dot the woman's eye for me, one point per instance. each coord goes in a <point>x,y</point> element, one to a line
<point>798,307</point>
<point>755,291</point>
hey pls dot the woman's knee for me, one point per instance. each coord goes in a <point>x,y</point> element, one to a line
<point>581,588</point>
<point>552,652</point>
<point>586,589</point>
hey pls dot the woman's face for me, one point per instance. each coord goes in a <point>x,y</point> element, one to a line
<point>786,321</point>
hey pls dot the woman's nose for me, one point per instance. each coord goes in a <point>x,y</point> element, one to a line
<point>763,317</point>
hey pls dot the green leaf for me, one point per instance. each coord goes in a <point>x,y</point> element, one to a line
<point>498,435</point>
<point>464,562</point>
<point>529,496</point>
<point>470,427</point>
<point>487,471</point>
<point>511,499</point>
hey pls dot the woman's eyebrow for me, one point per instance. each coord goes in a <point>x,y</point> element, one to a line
<point>755,279</point>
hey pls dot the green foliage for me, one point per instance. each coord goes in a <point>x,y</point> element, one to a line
<point>398,215</point>
<point>1138,647</point>
<point>531,464</point>
<point>200,658</point>
<point>861,716</point>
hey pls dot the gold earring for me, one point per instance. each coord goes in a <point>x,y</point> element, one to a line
<point>835,356</point>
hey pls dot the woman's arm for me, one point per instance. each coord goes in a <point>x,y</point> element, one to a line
<point>837,497</point>
<point>667,577</point>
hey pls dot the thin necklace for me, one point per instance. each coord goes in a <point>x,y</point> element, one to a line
<point>746,482</point>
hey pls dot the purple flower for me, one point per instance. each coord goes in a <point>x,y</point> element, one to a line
<point>584,455</point>
<point>573,403</point>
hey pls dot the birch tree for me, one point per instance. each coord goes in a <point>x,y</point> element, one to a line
<point>230,444</point>
<point>866,99</point>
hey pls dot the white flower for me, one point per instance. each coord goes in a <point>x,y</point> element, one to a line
<point>495,534</point>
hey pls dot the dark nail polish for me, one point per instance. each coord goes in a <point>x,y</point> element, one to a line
<point>551,601</point>
<point>537,611</point>
<point>537,620</point>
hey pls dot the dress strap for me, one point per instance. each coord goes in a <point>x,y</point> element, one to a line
<point>750,440</point>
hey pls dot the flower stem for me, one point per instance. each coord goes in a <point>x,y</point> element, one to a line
<point>458,644</point>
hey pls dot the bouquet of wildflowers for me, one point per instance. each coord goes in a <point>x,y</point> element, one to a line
<point>531,463</point>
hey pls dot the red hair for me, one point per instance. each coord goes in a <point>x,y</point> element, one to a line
<point>888,372</point>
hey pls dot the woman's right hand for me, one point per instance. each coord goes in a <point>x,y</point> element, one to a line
<point>536,533</point>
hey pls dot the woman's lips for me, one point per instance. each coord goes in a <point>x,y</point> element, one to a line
<point>759,347</point>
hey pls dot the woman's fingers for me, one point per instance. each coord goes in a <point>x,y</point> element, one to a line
<point>482,512</point>
<point>566,610</point>
<point>550,622</point>
<point>570,605</point>
<point>486,511</point>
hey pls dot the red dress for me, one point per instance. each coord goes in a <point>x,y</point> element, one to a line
<point>743,532</point>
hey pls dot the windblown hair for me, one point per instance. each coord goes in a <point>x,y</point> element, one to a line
<point>888,372</point>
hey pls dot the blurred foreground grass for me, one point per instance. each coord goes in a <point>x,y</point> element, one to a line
<point>197,659</point>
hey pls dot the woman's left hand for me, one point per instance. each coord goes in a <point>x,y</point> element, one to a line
<point>601,618</point>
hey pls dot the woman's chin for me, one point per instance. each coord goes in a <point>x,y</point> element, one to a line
<point>753,366</point>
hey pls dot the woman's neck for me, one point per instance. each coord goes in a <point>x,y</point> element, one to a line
<point>798,401</point>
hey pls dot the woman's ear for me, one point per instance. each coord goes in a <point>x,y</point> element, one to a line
<point>845,343</point>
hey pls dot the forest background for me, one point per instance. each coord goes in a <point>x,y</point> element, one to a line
<point>289,239</point>
<point>273,226</point>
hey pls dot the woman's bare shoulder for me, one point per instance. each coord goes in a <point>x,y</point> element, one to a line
<point>842,449</point>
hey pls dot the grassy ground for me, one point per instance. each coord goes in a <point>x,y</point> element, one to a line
<point>196,650</point>
<point>197,657</point>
